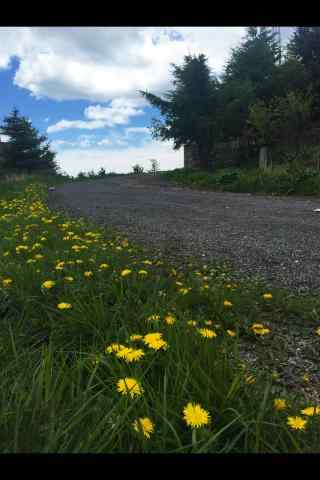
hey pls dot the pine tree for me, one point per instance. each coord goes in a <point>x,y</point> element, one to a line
<point>305,47</point>
<point>255,59</point>
<point>26,149</point>
<point>188,109</point>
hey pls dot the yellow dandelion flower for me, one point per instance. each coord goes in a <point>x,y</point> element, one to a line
<point>88,274</point>
<point>69,279</point>
<point>318,331</point>
<point>267,296</point>
<point>114,348</point>
<point>64,306</point>
<point>195,416</point>
<point>48,284</point>
<point>231,333</point>
<point>184,291</point>
<point>153,318</point>
<point>125,272</point>
<point>306,378</point>
<point>135,337</point>
<point>158,345</point>
<point>310,411</point>
<point>129,386</point>
<point>297,423</point>
<point>155,341</point>
<point>7,281</point>
<point>170,319</point>
<point>250,380</point>
<point>227,303</point>
<point>103,266</point>
<point>130,354</point>
<point>207,333</point>
<point>279,404</point>
<point>144,426</point>
<point>259,329</point>
<point>142,272</point>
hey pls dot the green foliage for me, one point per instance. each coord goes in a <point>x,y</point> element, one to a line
<point>154,166</point>
<point>305,47</point>
<point>102,173</point>
<point>282,119</point>
<point>285,180</point>
<point>137,169</point>
<point>26,150</point>
<point>234,100</point>
<point>255,59</point>
<point>59,385</point>
<point>188,109</point>
<point>246,80</point>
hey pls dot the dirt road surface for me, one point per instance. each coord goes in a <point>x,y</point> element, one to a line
<point>277,238</point>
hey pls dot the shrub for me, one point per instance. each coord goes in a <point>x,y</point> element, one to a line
<point>137,169</point>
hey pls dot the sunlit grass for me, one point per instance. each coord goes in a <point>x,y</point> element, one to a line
<point>110,361</point>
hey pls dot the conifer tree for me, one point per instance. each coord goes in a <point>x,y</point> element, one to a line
<point>188,109</point>
<point>26,150</point>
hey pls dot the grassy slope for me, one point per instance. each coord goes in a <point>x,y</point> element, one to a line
<point>59,386</point>
<point>277,181</point>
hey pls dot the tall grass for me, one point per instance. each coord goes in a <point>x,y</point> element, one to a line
<point>58,383</point>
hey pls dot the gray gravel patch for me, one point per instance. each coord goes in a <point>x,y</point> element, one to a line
<point>275,238</point>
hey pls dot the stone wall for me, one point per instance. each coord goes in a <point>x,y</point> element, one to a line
<point>2,148</point>
<point>190,157</point>
<point>227,154</point>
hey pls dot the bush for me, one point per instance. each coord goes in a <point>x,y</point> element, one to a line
<point>102,172</point>
<point>137,169</point>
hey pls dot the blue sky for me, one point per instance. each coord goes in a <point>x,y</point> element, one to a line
<point>79,86</point>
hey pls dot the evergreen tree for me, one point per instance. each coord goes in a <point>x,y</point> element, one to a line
<point>188,109</point>
<point>255,59</point>
<point>26,149</point>
<point>305,47</point>
<point>247,78</point>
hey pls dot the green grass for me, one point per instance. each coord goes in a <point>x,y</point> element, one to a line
<point>59,384</point>
<point>278,181</point>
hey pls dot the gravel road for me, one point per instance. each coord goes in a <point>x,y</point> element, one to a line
<point>276,238</point>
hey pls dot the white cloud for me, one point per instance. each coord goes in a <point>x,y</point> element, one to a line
<point>118,160</point>
<point>119,112</point>
<point>80,124</point>
<point>105,141</point>
<point>56,144</point>
<point>140,130</point>
<point>106,63</point>
<point>4,138</point>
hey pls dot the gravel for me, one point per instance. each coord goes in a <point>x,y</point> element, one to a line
<point>275,238</point>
